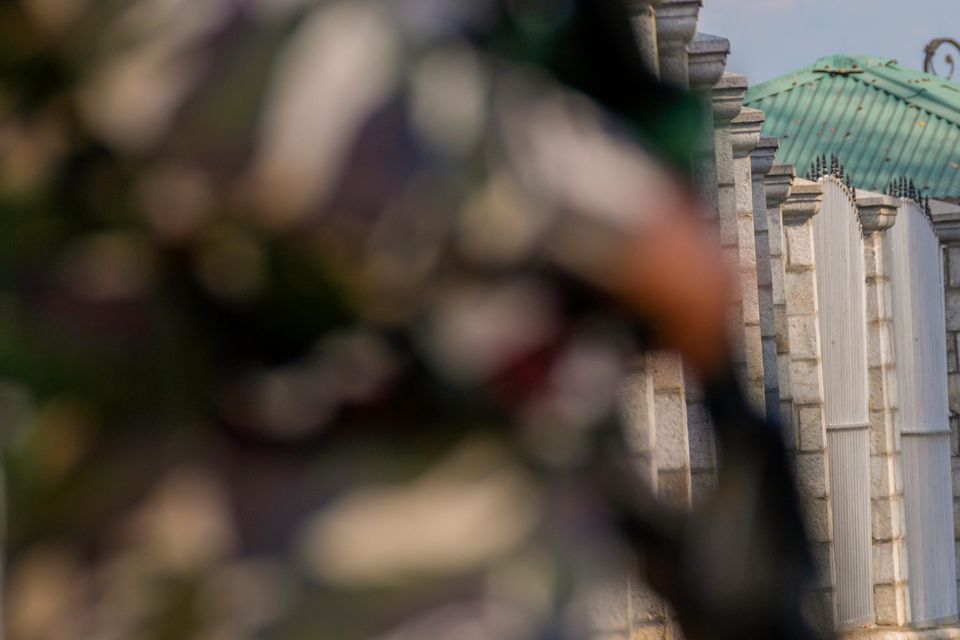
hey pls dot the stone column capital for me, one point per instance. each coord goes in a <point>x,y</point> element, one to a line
<point>804,202</point>
<point>764,155</point>
<point>677,22</point>
<point>877,213</point>
<point>727,98</point>
<point>779,182</point>
<point>946,221</point>
<point>708,59</point>
<point>745,130</point>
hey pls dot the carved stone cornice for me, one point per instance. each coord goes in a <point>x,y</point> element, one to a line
<point>764,155</point>
<point>779,182</point>
<point>745,131</point>
<point>643,19</point>
<point>677,22</point>
<point>727,98</point>
<point>707,60</point>
<point>946,221</point>
<point>877,213</point>
<point>676,25</point>
<point>804,202</point>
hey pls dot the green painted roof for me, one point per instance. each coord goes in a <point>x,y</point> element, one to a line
<point>881,119</point>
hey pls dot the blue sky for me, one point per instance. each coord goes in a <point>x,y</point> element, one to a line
<point>772,37</point>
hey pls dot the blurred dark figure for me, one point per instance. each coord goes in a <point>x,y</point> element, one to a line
<point>313,315</point>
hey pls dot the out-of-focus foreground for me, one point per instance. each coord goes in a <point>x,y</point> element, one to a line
<point>418,319</point>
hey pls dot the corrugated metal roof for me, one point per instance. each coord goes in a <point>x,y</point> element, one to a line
<point>882,120</point>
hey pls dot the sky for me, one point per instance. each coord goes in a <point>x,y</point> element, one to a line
<point>769,38</point>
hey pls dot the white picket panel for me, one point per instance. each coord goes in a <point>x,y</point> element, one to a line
<point>913,252</point>
<point>841,292</point>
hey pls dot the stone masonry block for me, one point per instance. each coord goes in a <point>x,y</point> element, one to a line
<point>770,368</point>
<point>744,189</point>
<point>667,371</point>
<point>672,449</point>
<point>955,436</point>
<point>953,309</point>
<point>767,323</point>
<point>875,389</point>
<point>729,232</point>
<point>953,259</point>
<point>726,173</point>
<point>822,564</point>
<point>701,438</point>
<point>674,487</point>
<point>875,308</point>
<point>885,604</point>
<point>800,251</point>
<point>702,485</point>
<point>812,474</point>
<point>886,519</point>
<point>882,482</point>
<point>652,631</point>
<point>764,278</point>
<point>783,374</point>
<point>801,293</point>
<point>647,605</point>
<point>956,518</point>
<point>816,514</point>
<point>874,345</point>
<point>637,407</point>
<point>953,380</point>
<point>780,326</point>
<point>813,436</point>
<point>608,606</point>
<point>951,352</point>
<point>879,444</point>
<point>804,337</point>
<point>788,422</point>
<point>883,563</point>
<point>805,381</point>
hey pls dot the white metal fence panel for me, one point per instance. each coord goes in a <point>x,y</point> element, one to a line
<point>841,288</point>
<point>919,329</point>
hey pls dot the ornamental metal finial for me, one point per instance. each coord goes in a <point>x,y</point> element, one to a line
<point>931,53</point>
<point>907,189</point>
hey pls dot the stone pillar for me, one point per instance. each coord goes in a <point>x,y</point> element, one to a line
<point>707,59</point>
<point>947,225</point>
<point>671,440</point>
<point>763,157</point>
<point>745,130</point>
<point>638,414</point>
<point>676,22</point>
<point>716,177</point>
<point>806,373</point>
<point>890,595</point>
<point>778,184</point>
<point>643,17</point>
